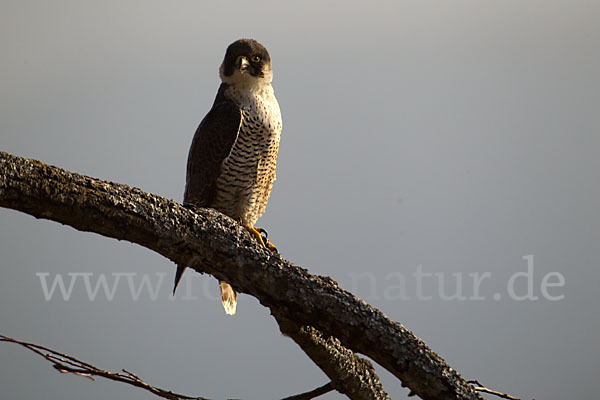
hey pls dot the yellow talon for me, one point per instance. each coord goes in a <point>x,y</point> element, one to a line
<point>257,233</point>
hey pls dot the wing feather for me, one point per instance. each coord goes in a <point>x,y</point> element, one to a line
<point>212,143</point>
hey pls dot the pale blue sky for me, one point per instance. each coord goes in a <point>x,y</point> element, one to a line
<point>451,137</point>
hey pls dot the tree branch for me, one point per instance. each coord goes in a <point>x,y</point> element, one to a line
<point>68,364</point>
<point>336,361</point>
<point>210,242</point>
<point>328,387</point>
<point>480,388</point>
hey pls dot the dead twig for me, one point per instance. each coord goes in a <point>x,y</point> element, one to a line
<point>480,388</point>
<point>328,387</point>
<point>67,364</point>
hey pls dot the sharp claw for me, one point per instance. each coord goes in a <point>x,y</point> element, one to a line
<point>271,247</point>
<point>262,236</point>
<point>263,233</point>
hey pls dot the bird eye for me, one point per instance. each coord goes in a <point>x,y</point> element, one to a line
<point>255,59</point>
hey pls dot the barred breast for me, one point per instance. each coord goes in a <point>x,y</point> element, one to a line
<point>248,172</point>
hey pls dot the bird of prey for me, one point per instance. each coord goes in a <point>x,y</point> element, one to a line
<point>231,162</point>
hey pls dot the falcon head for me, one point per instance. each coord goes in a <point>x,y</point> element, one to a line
<point>247,63</point>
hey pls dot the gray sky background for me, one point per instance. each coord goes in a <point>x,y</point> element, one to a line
<point>459,136</point>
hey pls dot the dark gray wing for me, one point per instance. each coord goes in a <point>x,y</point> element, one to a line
<point>212,143</point>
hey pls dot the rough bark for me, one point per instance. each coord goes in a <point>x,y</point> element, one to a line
<point>212,243</point>
<point>349,374</point>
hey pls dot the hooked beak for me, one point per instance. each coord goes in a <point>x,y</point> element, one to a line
<point>242,63</point>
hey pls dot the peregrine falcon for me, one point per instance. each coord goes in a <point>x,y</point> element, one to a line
<point>231,163</point>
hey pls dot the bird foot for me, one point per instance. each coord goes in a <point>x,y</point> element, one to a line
<point>261,235</point>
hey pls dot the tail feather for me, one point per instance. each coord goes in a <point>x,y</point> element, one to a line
<point>178,275</point>
<point>228,297</point>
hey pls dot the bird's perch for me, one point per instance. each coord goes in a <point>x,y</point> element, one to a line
<point>210,242</point>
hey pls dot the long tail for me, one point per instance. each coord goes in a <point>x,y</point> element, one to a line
<point>228,297</point>
<point>178,275</point>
